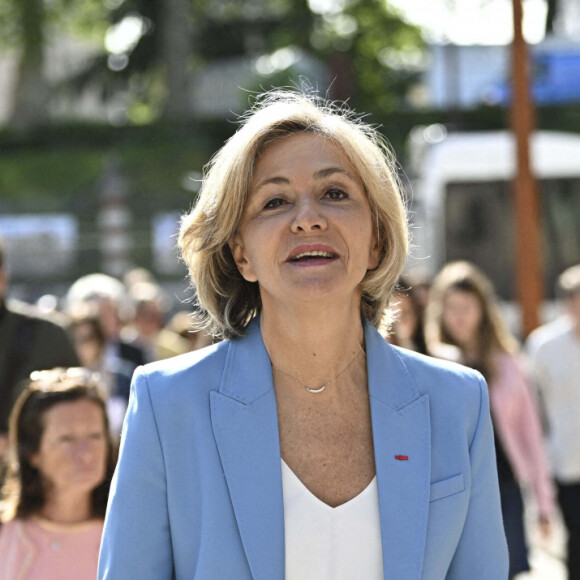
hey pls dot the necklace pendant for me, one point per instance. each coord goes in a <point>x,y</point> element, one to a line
<point>315,391</point>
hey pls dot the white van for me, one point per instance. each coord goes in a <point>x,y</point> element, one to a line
<point>462,202</point>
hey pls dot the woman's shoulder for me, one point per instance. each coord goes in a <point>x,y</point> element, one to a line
<point>13,539</point>
<point>437,369</point>
<point>8,528</point>
<point>458,395</point>
<point>197,361</point>
<point>202,368</point>
<point>447,383</point>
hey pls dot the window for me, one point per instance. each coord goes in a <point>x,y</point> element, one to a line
<point>480,227</point>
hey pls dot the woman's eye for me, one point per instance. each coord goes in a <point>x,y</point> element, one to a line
<point>336,193</point>
<point>274,203</point>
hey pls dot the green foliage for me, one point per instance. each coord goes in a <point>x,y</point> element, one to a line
<point>373,36</point>
<point>67,158</point>
<point>85,17</point>
<point>365,34</point>
<point>40,173</point>
<point>9,23</point>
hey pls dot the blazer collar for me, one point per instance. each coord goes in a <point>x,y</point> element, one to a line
<point>384,366</point>
<point>245,424</point>
<point>247,371</point>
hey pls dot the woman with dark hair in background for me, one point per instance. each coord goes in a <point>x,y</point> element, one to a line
<point>60,466</point>
<point>406,329</point>
<point>463,313</point>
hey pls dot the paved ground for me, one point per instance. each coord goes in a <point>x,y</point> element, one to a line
<point>546,557</point>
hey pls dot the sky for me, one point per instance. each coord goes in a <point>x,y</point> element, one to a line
<point>473,21</point>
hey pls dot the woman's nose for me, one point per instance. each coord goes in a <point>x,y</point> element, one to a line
<point>308,216</point>
<point>83,449</point>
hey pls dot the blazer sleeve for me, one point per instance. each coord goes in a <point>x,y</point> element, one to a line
<point>482,549</point>
<point>136,542</point>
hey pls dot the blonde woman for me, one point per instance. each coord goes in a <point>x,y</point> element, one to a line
<point>463,313</point>
<point>303,446</point>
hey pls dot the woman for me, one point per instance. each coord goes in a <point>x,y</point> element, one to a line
<point>181,323</point>
<point>406,330</point>
<point>463,312</point>
<point>60,467</point>
<point>303,446</point>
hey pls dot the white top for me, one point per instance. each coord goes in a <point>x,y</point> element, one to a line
<point>555,353</point>
<point>325,543</point>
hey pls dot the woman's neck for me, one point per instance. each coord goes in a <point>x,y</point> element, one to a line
<point>67,508</point>
<point>312,345</point>
<point>470,348</point>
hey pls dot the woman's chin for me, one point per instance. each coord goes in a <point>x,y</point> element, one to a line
<point>322,294</point>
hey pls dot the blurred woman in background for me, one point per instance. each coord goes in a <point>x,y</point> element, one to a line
<point>407,328</point>
<point>60,466</point>
<point>463,313</point>
<point>182,323</point>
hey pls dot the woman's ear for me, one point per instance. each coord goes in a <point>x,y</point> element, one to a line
<point>33,460</point>
<point>374,254</point>
<point>241,259</point>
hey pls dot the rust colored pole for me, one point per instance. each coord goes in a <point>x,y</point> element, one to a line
<point>525,188</point>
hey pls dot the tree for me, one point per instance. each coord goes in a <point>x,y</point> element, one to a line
<point>177,50</point>
<point>146,59</point>
<point>372,44</point>
<point>372,54</point>
<point>150,48</point>
<point>31,90</point>
<point>24,28</point>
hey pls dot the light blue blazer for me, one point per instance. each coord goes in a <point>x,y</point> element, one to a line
<point>198,489</point>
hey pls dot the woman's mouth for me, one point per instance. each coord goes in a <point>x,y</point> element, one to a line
<point>312,255</point>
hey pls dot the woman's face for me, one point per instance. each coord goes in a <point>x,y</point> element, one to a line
<point>462,315</point>
<point>88,345</point>
<point>306,232</point>
<point>407,321</point>
<point>73,448</point>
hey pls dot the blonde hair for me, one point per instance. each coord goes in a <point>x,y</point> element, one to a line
<point>225,300</point>
<point>493,334</point>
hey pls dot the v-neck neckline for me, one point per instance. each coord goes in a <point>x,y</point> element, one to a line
<point>300,484</point>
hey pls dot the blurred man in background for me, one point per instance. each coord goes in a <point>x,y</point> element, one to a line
<point>28,342</point>
<point>109,298</point>
<point>147,330</point>
<point>555,352</point>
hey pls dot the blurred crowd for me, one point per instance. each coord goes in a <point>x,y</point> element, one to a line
<point>65,376</point>
<point>534,392</point>
<point>65,380</point>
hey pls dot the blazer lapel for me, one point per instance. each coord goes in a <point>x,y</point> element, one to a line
<point>245,426</point>
<point>402,440</point>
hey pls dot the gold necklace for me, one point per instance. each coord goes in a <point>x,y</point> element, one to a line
<point>320,389</point>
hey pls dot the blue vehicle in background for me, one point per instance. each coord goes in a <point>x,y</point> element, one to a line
<point>556,77</point>
<point>555,71</point>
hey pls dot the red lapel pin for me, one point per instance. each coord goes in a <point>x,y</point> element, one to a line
<point>402,457</point>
